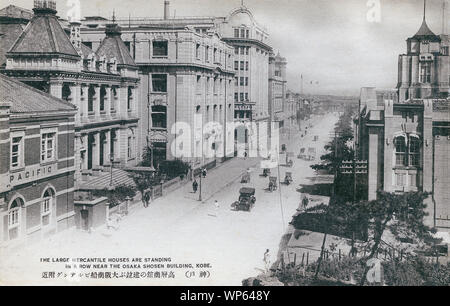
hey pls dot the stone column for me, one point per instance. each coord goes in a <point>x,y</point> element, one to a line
<point>83,101</point>
<point>108,101</point>
<point>96,150</point>
<point>75,99</point>
<point>97,100</point>
<point>85,144</point>
<point>106,148</point>
<point>56,89</point>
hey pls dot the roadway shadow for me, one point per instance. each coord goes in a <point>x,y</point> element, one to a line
<point>316,189</point>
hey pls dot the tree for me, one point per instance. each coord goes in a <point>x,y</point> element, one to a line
<point>117,195</point>
<point>400,215</point>
<point>145,180</point>
<point>337,149</point>
<point>173,168</point>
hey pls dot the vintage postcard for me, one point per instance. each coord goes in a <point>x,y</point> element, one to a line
<point>224,143</point>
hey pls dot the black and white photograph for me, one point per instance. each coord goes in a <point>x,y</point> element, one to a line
<point>214,143</point>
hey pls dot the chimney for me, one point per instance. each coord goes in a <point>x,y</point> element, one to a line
<point>166,9</point>
<point>75,37</point>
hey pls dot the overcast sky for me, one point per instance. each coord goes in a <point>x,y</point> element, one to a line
<point>330,42</point>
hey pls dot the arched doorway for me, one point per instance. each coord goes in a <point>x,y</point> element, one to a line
<point>48,203</point>
<point>14,218</point>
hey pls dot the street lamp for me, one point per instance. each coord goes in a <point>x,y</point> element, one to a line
<point>111,160</point>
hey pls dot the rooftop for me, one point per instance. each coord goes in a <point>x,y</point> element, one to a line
<point>26,99</point>
<point>44,35</point>
<point>113,46</point>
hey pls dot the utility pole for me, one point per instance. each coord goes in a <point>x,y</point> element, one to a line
<point>322,250</point>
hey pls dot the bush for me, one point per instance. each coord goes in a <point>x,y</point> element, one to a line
<point>173,168</point>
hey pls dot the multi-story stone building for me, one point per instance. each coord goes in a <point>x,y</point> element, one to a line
<point>36,163</point>
<point>191,42</point>
<point>279,110</point>
<point>404,133</point>
<point>103,85</point>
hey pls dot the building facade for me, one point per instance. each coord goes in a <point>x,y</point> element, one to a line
<point>36,163</point>
<point>192,41</point>
<point>185,75</point>
<point>404,133</point>
<point>279,110</point>
<point>103,85</point>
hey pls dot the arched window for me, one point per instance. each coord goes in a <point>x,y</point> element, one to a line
<point>400,151</point>
<point>14,218</point>
<point>46,206</point>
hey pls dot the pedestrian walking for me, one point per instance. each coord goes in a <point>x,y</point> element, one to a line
<point>195,186</point>
<point>305,203</point>
<point>266,260</point>
<point>216,207</point>
<point>146,198</point>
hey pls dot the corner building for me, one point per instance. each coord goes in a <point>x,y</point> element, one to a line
<point>36,163</point>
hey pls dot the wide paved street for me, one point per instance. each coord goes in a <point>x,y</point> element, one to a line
<point>186,230</point>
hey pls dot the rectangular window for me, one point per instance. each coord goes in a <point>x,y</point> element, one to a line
<point>247,33</point>
<point>236,97</point>
<point>236,65</point>
<point>236,81</point>
<point>45,211</point>
<point>159,82</point>
<point>17,152</point>
<point>160,49</point>
<point>236,33</point>
<point>242,96</point>
<point>247,50</point>
<point>246,81</point>
<point>242,33</point>
<point>425,72</point>
<point>236,50</point>
<point>400,151</point>
<point>48,147</point>
<point>246,66</point>
<point>242,50</point>
<point>246,96</point>
<point>242,65</point>
<point>242,81</point>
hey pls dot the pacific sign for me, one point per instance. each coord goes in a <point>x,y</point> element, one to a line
<point>31,173</point>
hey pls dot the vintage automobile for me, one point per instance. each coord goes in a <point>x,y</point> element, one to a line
<point>302,154</point>
<point>246,199</point>
<point>311,154</point>
<point>273,183</point>
<point>289,161</point>
<point>288,178</point>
